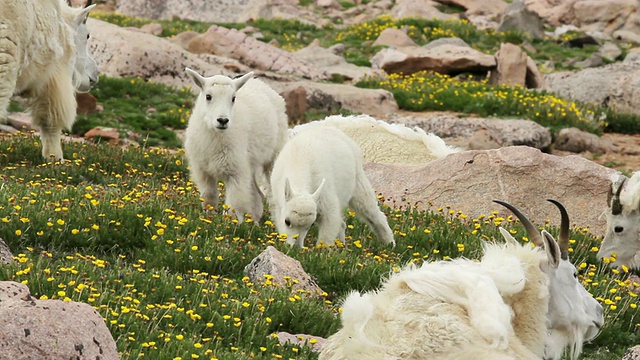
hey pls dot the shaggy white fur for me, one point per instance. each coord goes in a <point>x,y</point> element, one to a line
<point>517,302</point>
<point>382,142</point>
<point>237,128</point>
<point>622,239</point>
<point>43,56</point>
<point>316,176</point>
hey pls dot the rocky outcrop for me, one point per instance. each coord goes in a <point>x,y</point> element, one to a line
<point>50,329</point>
<point>521,175</point>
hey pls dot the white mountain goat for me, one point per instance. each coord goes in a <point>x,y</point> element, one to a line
<point>517,302</point>
<point>316,176</point>
<point>623,222</point>
<point>44,57</point>
<point>235,132</point>
<point>382,142</point>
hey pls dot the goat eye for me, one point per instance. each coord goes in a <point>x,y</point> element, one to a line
<point>88,36</point>
<point>618,229</point>
<point>575,274</point>
<point>233,99</point>
<point>208,97</point>
<point>287,222</point>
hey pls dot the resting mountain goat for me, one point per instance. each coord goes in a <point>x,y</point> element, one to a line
<point>235,132</point>
<point>44,56</point>
<point>623,222</point>
<point>517,302</point>
<point>382,142</point>
<point>316,176</point>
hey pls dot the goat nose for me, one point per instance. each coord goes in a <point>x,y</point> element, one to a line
<point>618,229</point>
<point>223,121</point>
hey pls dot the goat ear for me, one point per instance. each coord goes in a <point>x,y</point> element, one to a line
<point>239,82</point>
<point>316,195</point>
<point>81,16</point>
<point>197,78</point>
<point>507,236</point>
<point>552,249</point>
<point>288,193</point>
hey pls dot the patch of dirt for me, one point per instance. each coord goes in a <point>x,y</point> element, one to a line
<point>624,157</point>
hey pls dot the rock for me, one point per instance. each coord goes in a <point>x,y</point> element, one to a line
<point>632,353</point>
<point>606,16</point>
<point>595,60</point>
<point>326,60</point>
<point>279,267</point>
<point>394,37</point>
<point>445,41</point>
<point>480,133</point>
<point>610,51</point>
<point>184,38</point>
<point>555,12</point>
<point>20,120</point>
<point>480,7</point>
<point>333,97</point>
<point>152,28</point>
<point>6,257</point>
<point>534,78</point>
<point>627,36</point>
<point>7,129</point>
<point>512,66</point>
<point>123,53</point>
<point>86,103</point>
<point>314,342</point>
<point>445,59</point>
<point>218,11</point>
<point>55,329</point>
<point>328,4</point>
<point>577,141</point>
<point>519,18</point>
<point>296,103</point>
<point>425,9</point>
<point>521,175</point>
<point>103,132</point>
<point>614,86</point>
<point>253,53</point>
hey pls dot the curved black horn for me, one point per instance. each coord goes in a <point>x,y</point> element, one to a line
<point>616,207</point>
<point>531,229</point>
<point>563,238</point>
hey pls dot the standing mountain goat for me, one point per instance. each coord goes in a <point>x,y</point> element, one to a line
<point>517,302</point>
<point>237,128</point>
<point>317,174</point>
<point>622,239</point>
<point>44,56</point>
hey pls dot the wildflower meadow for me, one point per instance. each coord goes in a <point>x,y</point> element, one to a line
<point>121,227</point>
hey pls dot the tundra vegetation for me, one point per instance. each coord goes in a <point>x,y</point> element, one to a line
<point>123,231</point>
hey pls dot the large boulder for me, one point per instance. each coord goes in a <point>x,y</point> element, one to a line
<point>521,175</point>
<point>519,18</point>
<point>445,59</point>
<point>121,52</point>
<point>50,329</point>
<point>209,11</point>
<point>479,133</point>
<point>236,44</point>
<point>615,86</point>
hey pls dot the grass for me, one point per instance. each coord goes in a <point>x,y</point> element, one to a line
<point>122,230</point>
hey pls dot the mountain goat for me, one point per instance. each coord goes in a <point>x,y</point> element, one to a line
<point>382,142</point>
<point>317,174</point>
<point>622,239</point>
<point>237,128</point>
<point>517,302</point>
<point>44,56</point>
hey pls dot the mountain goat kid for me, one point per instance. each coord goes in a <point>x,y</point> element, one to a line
<point>234,134</point>
<point>44,57</point>
<point>317,174</point>
<point>517,302</point>
<point>623,222</point>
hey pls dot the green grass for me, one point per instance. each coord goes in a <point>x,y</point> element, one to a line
<point>140,109</point>
<point>123,230</point>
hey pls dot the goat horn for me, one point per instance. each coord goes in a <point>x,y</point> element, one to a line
<point>531,229</point>
<point>616,207</point>
<point>563,238</point>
